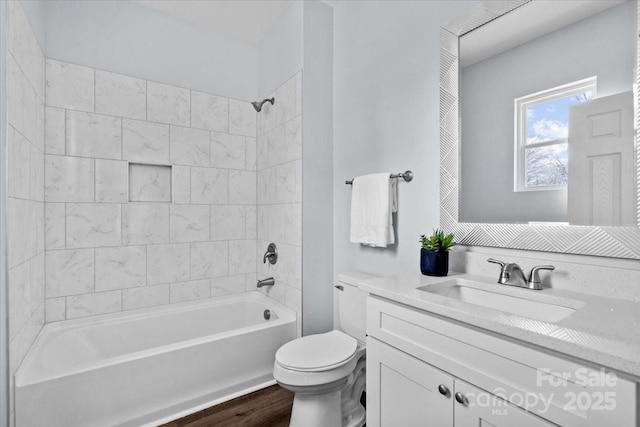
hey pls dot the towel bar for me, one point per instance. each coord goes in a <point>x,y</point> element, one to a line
<point>407,176</point>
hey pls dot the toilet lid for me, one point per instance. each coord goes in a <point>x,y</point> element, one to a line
<point>317,352</point>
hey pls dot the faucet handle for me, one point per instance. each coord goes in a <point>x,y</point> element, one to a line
<point>534,277</point>
<point>497,261</point>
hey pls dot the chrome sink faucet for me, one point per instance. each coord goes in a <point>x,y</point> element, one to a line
<point>511,274</point>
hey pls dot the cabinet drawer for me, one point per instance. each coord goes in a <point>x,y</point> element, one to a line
<point>541,383</point>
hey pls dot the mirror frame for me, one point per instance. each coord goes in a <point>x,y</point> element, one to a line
<point>617,242</point>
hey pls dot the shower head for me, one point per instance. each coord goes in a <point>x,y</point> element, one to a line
<point>258,104</point>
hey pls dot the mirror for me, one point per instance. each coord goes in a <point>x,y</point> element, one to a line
<point>522,78</point>
<point>524,101</point>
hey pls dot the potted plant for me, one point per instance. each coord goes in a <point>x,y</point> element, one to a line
<point>434,255</point>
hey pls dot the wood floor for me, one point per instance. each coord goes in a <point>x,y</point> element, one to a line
<point>269,407</point>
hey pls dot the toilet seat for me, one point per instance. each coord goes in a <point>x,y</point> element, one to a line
<point>317,353</point>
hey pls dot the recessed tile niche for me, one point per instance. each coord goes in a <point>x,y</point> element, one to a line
<point>149,183</point>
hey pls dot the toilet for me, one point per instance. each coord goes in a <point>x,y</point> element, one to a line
<point>327,371</point>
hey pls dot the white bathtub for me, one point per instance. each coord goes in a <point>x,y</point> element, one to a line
<point>150,366</point>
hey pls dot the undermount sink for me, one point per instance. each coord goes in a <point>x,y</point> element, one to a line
<point>460,290</point>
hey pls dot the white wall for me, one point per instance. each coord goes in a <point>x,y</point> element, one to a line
<point>386,118</point>
<point>280,53</point>
<point>386,97</point>
<point>317,169</point>
<point>108,35</point>
<point>601,46</point>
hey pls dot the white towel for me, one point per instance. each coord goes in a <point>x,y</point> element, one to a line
<point>373,199</point>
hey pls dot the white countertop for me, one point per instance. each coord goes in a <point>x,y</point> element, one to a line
<point>603,331</point>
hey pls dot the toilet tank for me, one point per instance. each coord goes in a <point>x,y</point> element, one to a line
<point>351,305</point>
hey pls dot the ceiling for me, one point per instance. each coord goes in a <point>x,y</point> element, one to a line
<point>246,20</point>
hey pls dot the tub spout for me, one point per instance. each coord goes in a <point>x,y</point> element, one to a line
<point>266,282</point>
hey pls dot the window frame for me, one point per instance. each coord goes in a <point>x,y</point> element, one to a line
<point>520,122</point>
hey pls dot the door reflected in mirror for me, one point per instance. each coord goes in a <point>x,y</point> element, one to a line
<point>547,115</point>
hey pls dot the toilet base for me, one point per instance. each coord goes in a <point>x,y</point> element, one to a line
<point>333,405</point>
<point>319,410</point>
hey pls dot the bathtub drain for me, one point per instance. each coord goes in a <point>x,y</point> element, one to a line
<point>267,314</point>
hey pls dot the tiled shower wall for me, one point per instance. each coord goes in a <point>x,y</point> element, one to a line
<point>150,193</point>
<point>279,163</point>
<point>25,204</point>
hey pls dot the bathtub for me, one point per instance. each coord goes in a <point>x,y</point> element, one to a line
<point>150,366</point>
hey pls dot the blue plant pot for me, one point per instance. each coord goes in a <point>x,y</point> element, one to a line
<point>434,263</point>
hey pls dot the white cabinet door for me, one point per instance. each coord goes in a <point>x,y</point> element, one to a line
<point>402,391</point>
<point>475,407</point>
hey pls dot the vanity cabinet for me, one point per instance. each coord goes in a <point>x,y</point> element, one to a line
<point>404,391</point>
<point>423,369</point>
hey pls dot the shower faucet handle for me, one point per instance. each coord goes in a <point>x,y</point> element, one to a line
<point>271,254</point>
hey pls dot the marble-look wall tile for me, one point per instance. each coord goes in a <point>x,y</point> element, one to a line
<point>36,179</point>
<point>276,148</point>
<point>37,280</point>
<point>55,130</point>
<point>266,119</point>
<point>68,179</point>
<point>144,224</point>
<point>145,141</point>
<point>250,154</point>
<point>94,304</point>
<point>250,282</point>
<point>242,187</point>
<point>209,112</point>
<point>69,86</point>
<point>69,272</point>
<point>228,222</point>
<point>189,146</point>
<point>262,222</point>
<point>242,256</point>
<point>181,184</point>
<point>120,95</point>
<point>145,296</point>
<point>293,139</point>
<point>93,135</point>
<point>22,229</point>
<point>167,263</point>
<point>149,183</point>
<point>209,259</point>
<point>168,104</point>
<point>23,101</point>
<point>19,287</point>
<point>286,183</point>
<point>189,223</point>
<point>228,151</point>
<point>121,267</point>
<point>286,105</point>
<point>93,225</point>
<point>298,170</point>
<point>55,228</point>
<point>19,150</point>
<point>298,93</point>
<point>266,186</point>
<point>227,285</point>
<point>55,309</point>
<point>112,185</point>
<point>188,291</point>
<point>293,224</point>
<point>25,49</point>
<point>242,118</point>
<point>251,222</point>
<point>209,185</point>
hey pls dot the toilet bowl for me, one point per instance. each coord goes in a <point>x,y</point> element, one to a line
<point>327,371</point>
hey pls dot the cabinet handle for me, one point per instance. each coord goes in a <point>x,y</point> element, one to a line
<point>443,390</point>
<point>461,399</point>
